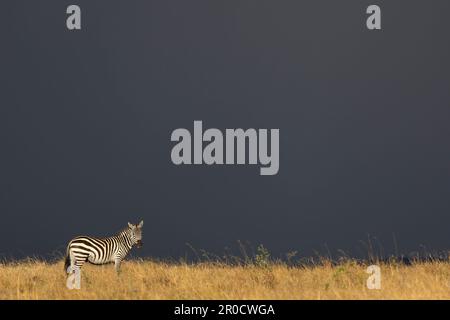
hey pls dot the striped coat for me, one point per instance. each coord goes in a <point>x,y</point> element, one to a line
<point>101,251</point>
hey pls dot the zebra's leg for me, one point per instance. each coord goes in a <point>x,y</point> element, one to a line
<point>73,262</point>
<point>74,273</point>
<point>71,267</point>
<point>117,262</point>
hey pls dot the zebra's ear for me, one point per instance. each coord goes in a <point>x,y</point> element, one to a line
<point>141,224</point>
<point>130,225</point>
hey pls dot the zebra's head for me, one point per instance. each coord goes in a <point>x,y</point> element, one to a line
<point>136,233</point>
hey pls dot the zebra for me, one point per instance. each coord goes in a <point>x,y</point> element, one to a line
<point>102,251</point>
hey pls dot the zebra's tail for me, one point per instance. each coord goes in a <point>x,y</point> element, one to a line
<point>67,260</point>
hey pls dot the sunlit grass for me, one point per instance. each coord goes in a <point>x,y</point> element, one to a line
<point>34,279</point>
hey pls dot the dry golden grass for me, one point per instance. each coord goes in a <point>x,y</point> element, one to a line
<point>157,280</point>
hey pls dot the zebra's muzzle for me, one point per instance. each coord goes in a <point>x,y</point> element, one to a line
<point>139,243</point>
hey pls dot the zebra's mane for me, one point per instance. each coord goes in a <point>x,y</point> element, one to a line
<point>123,231</point>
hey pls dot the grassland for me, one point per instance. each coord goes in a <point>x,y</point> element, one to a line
<point>35,279</point>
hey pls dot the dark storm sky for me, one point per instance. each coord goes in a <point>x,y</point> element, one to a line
<point>86,118</point>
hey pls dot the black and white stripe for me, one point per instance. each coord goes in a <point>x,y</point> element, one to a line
<point>101,251</point>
